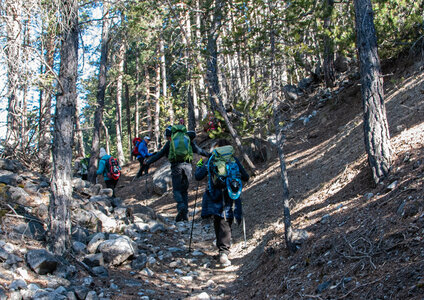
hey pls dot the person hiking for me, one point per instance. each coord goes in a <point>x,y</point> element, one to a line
<point>141,152</point>
<point>218,203</point>
<point>106,163</point>
<point>180,167</point>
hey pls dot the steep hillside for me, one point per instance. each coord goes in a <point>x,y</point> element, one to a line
<point>365,241</point>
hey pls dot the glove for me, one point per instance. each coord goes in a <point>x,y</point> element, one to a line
<point>200,163</point>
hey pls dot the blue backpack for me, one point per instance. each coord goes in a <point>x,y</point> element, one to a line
<point>224,172</point>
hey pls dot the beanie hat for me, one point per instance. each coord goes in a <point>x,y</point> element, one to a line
<point>102,152</point>
<point>147,138</point>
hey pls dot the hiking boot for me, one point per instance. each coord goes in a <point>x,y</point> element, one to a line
<point>181,216</point>
<point>223,260</point>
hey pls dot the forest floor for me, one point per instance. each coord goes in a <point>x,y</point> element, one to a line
<point>365,241</point>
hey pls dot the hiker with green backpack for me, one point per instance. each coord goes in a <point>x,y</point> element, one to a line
<point>179,150</point>
<point>225,176</point>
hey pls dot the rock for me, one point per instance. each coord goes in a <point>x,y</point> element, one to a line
<point>18,195</point>
<point>147,272</point>
<point>84,218</point>
<point>106,192</point>
<point>116,202</point>
<point>95,189</point>
<point>18,284</point>
<point>92,295</point>
<point>41,261</point>
<point>70,295</point>
<point>94,260</point>
<point>108,224</point>
<point>14,166</point>
<point>79,247</point>
<point>15,295</point>
<point>10,178</point>
<point>140,262</point>
<point>95,241</point>
<point>322,287</point>
<point>79,184</point>
<point>155,226</point>
<point>118,250</point>
<point>33,230</point>
<point>203,296</point>
<point>101,271</point>
<point>162,179</point>
<point>325,218</point>
<point>392,186</point>
<point>368,196</point>
<point>80,291</point>
<point>79,234</point>
<point>120,212</point>
<point>292,92</point>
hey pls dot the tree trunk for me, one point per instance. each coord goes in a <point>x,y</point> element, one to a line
<point>168,104</point>
<point>212,77</point>
<point>61,185</point>
<point>148,102</point>
<point>329,71</point>
<point>376,129</point>
<point>157,108</point>
<point>107,137</point>
<point>288,231</point>
<point>118,102</point>
<point>98,115</point>
<point>13,57</point>
<point>137,98</point>
<point>128,118</point>
<point>44,140</point>
<point>79,149</point>
<point>202,89</point>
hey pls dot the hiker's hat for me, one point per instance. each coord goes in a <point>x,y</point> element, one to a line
<point>147,138</point>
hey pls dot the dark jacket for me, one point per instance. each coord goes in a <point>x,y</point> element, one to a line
<point>217,201</point>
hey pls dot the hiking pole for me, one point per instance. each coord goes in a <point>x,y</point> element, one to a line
<point>192,221</point>
<point>244,232</point>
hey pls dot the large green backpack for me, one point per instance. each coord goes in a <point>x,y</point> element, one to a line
<point>180,146</point>
<point>224,172</point>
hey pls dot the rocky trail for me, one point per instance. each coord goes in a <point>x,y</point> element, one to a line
<point>364,241</point>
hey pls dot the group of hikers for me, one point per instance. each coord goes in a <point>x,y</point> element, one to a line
<point>221,199</point>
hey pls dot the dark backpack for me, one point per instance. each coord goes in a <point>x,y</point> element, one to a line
<point>224,172</point>
<point>134,151</point>
<point>180,145</point>
<point>113,169</point>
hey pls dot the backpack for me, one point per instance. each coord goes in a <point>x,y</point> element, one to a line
<point>134,151</point>
<point>180,145</point>
<point>113,169</point>
<point>224,172</point>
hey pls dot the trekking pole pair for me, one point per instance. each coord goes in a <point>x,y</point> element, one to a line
<point>192,221</point>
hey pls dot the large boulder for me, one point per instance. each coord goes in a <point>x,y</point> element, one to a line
<point>108,224</point>
<point>116,251</point>
<point>162,179</point>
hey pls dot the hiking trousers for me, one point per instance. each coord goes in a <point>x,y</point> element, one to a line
<point>143,168</point>
<point>223,233</point>
<point>111,184</point>
<point>181,175</point>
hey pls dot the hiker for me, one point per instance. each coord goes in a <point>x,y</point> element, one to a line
<point>180,167</point>
<point>141,152</point>
<point>218,199</point>
<point>111,177</point>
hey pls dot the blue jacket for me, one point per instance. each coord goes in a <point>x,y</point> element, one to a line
<point>217,201</point>
<point>142,149</point>
<point>102,167</point>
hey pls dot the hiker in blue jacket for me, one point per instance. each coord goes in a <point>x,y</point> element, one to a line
<point>180,172</point>
<point>217,203</point>
<point>142,154</point>
<point>102,170</point>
